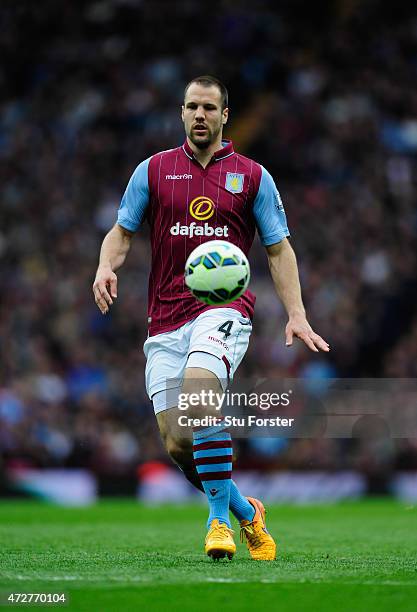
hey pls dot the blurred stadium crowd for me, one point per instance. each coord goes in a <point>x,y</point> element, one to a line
<point>325,99</point>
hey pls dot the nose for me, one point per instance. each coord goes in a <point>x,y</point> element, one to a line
<point>199,113</point>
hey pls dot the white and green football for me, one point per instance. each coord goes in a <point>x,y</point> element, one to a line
<point>217,272</point>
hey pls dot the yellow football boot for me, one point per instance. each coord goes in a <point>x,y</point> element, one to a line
<point>219,541</point>
<point>260,543</point>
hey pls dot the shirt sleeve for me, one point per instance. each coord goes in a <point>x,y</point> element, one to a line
<point>269,212</point>
<point>135,200</point>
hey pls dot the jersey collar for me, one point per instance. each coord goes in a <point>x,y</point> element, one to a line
<point>225,151</point>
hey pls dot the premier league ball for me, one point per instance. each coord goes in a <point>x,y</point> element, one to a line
<point>217,272</point>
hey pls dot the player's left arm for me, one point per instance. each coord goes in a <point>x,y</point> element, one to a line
<point>271,222</point>
<point>284,272</point>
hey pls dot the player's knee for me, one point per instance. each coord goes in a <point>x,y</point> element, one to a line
<point>180,450</point>
<point>196,379</point>
<point>203,385</point>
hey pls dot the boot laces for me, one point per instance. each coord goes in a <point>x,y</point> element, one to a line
<point>218,531</point>
<point>251,534</point>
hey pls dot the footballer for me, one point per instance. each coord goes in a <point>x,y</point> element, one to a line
<point>200,191</point>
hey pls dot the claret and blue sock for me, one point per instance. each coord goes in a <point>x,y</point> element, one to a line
<point>212,451</point>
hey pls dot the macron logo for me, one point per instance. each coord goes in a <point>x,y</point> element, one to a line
<point>178,177</point>
<point>224,345</point>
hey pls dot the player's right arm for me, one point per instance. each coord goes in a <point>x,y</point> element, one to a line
<point>116,244</point>
<point>113,253</point>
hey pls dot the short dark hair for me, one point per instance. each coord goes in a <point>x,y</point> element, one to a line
<point>210,81</point>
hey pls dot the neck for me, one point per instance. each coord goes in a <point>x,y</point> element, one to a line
<point>203,156</point>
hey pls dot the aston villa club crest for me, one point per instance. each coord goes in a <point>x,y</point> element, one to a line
<point>234,182</point>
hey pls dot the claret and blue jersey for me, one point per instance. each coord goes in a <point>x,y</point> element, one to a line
<point>185,205</point>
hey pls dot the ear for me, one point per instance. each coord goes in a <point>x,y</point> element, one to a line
<point>182,113</point>
<point>225,116</point>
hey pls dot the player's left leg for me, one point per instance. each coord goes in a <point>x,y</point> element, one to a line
<point>168,355</point>
<point>189,348</point>
<point>249,511</point>
<point>212,452</point>
<point>179,445</point>
<point>219,340</point>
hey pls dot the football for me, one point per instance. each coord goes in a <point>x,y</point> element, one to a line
<point>217,272</point>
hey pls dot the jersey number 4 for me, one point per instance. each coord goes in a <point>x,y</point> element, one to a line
<point>225,328</point>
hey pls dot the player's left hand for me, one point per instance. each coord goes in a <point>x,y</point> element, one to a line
<point>299,326</point>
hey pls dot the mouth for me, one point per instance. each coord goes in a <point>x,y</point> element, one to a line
<point>200,130</point>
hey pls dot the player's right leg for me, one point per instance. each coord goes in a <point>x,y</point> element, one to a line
<point>166,358</point>
<point>178,444</point>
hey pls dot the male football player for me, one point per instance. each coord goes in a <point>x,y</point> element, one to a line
<point>204,183</point>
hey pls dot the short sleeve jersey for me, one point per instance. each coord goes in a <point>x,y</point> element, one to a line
<point>186,205</point>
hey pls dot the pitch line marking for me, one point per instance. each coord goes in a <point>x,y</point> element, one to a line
<point>151,581</point>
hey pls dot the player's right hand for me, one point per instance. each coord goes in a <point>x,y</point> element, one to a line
<point>105,288</point>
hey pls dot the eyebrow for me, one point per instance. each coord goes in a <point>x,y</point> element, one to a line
<point>206,104</point>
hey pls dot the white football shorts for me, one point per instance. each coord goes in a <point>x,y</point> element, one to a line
<point>216,340</point>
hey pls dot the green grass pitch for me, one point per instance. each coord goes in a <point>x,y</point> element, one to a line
<point>120,555</point>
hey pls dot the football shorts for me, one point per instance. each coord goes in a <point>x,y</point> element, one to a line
<point>216,340</point>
